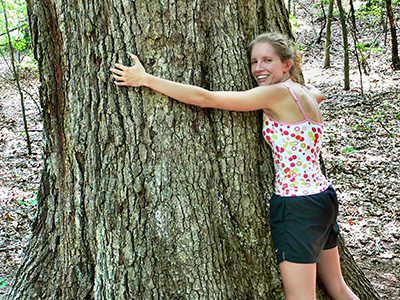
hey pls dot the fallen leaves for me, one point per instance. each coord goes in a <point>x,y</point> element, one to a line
<point>19,180</point>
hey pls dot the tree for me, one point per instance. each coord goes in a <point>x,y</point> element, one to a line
<point>143,197</point>
<point>327,62</point>
<point>354,34</point>
<point>395,49</point>
<point>346,64</point>
<point>16,72</point>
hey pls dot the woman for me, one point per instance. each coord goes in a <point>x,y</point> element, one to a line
<point>304,207</point>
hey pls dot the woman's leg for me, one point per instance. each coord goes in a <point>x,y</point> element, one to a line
<point>298,280</point>
<point>330,275</point>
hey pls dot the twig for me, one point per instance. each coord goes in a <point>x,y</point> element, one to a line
<point>33,99</point>
<point>380,122</point>
<point>11,30</point>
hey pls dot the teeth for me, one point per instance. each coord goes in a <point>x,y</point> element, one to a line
<point>262,77</point>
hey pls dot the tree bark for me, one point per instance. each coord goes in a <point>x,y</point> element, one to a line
<point>346,64</point>
<point>395,48</point>
<point>327,62</point>
<point>143,197</point>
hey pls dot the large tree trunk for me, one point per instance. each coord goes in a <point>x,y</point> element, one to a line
<point>143,197</point>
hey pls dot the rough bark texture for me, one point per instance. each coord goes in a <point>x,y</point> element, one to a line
<point>143,197</point>
<point>346,66</point>
<point>392,24</point>
<point>327,62</point>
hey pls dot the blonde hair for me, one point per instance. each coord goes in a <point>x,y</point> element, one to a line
<point>286,49</point>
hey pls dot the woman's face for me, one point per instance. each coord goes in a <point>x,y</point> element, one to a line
<point>266,65</point>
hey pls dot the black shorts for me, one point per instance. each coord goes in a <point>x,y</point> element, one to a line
<point>303,226</point>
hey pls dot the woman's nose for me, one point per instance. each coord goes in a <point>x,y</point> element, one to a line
<point>258,66</point>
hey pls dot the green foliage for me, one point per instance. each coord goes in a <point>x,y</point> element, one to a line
<point>32,202</point>
<point>293,21</point>
<point>17,25</point>
<point>349,149</point>
<point>373,12</point>
<point>366,49</point>
<point>3,282</point>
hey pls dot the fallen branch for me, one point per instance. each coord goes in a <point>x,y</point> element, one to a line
<point>380,122</point>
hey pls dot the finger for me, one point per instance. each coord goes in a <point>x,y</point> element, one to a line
<point>136,59</point>
<point>120,82</point>
<point>133,56</point>
<point>119,66</point>
<point>116,77</point>
<point>116,71</point>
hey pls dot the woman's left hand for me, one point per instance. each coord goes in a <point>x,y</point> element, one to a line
<point>129,76</point>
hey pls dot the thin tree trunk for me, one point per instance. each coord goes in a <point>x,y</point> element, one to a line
<point>354,32</point>
<point>346,67</point>
<point>328,41</point>
<point>395,49</point>
<point>15,70</point>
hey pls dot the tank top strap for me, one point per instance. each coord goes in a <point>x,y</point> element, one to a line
<point>297,100</point>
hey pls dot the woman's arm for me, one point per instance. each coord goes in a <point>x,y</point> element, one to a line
<point>137,76</point>
<point>315,92</point>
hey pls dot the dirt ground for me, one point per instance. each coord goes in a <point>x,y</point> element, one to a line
<point>361,153</point>
<point>362,146</point>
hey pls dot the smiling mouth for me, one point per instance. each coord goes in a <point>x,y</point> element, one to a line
<point>262,77</point>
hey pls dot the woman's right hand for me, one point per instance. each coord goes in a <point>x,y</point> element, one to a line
<point>129,76</point>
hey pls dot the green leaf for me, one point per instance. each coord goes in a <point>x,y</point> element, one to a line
<point>349,149</point>
<point>3,282</point>
<point>32,202</point>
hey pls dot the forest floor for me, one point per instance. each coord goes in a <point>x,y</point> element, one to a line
<point>362,144</point>
<point>361,154</point>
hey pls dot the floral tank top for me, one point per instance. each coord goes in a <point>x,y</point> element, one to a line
<point>295,149</point>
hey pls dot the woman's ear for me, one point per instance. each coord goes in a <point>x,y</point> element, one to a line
<point>288,65</point>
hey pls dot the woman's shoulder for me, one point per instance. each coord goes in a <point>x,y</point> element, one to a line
<point>277,91</point>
